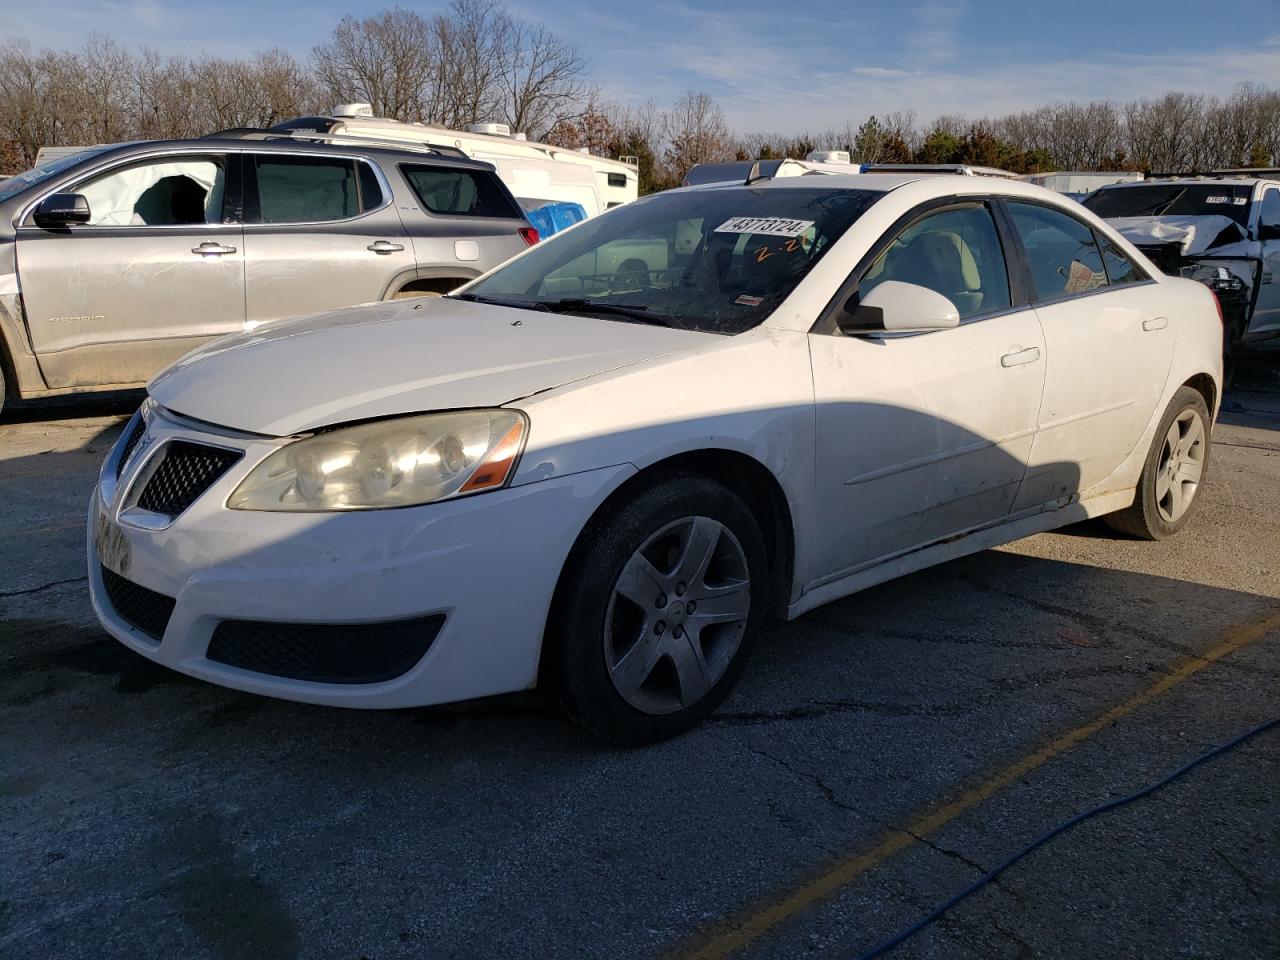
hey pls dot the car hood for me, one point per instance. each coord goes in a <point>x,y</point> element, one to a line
<point>1192,234</point>
<point>387,359</point>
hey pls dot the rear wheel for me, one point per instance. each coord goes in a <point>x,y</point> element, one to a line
<point>657,611</point>
<point>1174,471</point>
<point>429,288</point>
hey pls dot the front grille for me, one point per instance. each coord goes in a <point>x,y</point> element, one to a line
<point>143,609</point>
<point>130,443</point>
<point>186,471</point>
<point>323,653</point>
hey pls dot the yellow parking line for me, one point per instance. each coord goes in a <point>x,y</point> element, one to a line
<point>724,939</point>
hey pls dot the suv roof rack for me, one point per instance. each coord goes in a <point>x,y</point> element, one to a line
<point>384,143</point>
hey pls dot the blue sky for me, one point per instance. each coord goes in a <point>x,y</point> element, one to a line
<point>781,65</point>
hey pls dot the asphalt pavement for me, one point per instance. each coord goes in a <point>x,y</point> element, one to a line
<point>880,753</point>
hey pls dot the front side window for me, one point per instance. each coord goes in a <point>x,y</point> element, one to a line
<point>1269,216</point>
<point>174,191</point>
<point>956,253</point>
<point>1061,251</point>
<point>459,192</point>
<point>715,260</point>
<point>293,189</point>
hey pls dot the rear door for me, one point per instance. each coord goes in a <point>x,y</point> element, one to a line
<point>1109,352</point>
<point>158,270</point>
<point>321,232</point>
<point>464,221</point>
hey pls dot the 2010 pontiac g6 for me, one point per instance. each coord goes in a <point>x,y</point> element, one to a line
<point>600,466</point>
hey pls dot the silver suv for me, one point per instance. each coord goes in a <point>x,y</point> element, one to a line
<point>118,260</point>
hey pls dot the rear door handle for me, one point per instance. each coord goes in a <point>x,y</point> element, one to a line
<point>385,246</point>
<point>1019,357</point>
<point>212,248</point>
<point>1155,323</point>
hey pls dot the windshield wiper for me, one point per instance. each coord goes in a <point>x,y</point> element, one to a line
<point>631,311</point>
<point>501,301</point>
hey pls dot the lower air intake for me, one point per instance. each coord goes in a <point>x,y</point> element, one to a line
<point>324,653</point>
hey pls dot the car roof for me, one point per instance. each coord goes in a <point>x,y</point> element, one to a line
<point>285,144</point>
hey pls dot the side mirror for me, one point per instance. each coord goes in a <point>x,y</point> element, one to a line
<point>62,210</point>
<point>1269,231</point>
<point>897,307</point>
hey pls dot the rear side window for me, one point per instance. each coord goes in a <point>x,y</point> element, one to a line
<point>1061,251</point>
<point>1120,269</point>
<point>306,189</point>
<point>468,193</point>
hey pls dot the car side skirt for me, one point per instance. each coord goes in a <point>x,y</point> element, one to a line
<point>974,541</point>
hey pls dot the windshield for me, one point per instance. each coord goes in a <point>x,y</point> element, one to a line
<point>23,181</point>
<point>717,260</point>
<point>1173,200</point>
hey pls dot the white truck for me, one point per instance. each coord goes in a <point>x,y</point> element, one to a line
<point>1221,230</point>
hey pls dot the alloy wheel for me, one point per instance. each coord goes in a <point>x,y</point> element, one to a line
<point>1181,465</point>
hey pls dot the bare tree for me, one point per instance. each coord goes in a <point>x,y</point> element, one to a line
<point>696,133</point>
<point>388,60</point>
<point>541,79</point>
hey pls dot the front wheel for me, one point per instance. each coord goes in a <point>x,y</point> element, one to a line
<point>1173,473</point>
<point>657,610</point>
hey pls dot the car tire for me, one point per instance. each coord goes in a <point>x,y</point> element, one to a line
<point>1174,472</point>
<point>631,589</point>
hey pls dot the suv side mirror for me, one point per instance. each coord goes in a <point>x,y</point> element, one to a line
<point>897,307</point>
<point>62,210</point>
<point>1269,231</point>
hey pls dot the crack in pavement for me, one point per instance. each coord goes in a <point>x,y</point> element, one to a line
<point>826,708</point>
<point>829,794</point>
<point>1102,624</point>
<point>1250,884</point>
<point>43,587</point>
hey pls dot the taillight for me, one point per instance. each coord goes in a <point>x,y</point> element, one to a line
<point>1217,302</point>
<point>529,235</point>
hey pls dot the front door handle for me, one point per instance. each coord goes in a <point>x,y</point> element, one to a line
<point>213,248</point>
<point>1019,357</point>
<point>385,246</point>
<point>1155,323</point>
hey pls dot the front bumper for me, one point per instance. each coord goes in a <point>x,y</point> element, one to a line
<point>488,565</point>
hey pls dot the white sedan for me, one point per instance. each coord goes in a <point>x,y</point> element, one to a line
<point>599,467</point>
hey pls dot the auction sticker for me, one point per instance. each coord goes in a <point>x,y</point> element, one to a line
<point>766,226</point>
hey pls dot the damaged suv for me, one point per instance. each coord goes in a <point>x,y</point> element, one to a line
<point>1224,232</point>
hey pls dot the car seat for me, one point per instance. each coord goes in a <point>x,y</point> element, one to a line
<point>943,262</point>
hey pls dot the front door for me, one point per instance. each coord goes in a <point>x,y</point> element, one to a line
<point>924,436</point>
<point>154,273</point>
<point>320,233</point>
<point>1109,353</point>
<point>1266,312</point>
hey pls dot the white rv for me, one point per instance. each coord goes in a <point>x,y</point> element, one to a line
<point>532,171</point>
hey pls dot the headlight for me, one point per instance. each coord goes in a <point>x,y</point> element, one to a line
<point>391,463</point>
